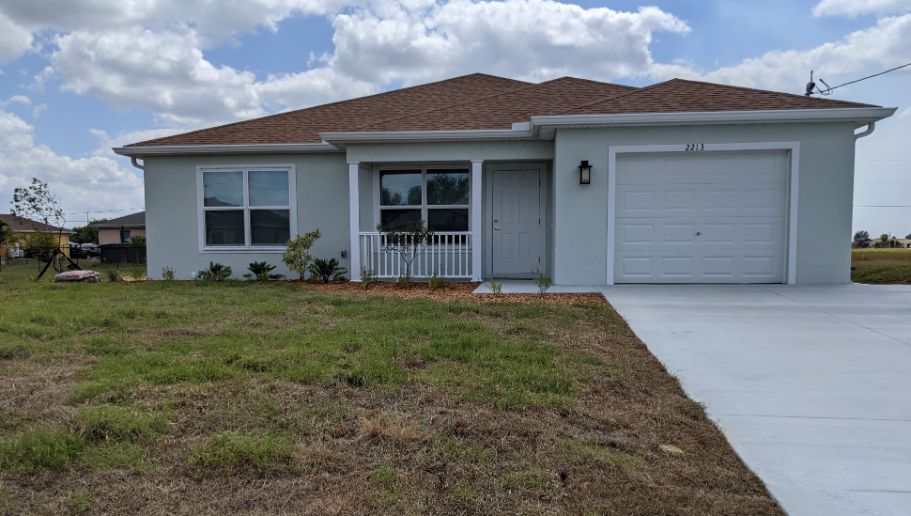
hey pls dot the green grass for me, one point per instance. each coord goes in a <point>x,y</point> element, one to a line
<point>146,396</point>
<point>231,453</point>
<point>881,266</point>
<point>115,423</point>
<point>38,450</point>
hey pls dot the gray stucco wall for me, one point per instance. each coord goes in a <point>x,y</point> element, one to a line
<point>577,215</point>
<point>826,173</point>
<point>171,217</point>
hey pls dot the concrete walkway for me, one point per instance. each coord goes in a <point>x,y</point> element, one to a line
<point>811,385</point>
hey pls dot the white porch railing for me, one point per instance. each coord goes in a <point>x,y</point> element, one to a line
<point>448,255</point>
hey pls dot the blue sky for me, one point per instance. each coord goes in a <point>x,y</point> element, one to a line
<point>73,83</point>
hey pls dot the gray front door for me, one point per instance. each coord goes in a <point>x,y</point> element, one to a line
<point>516,233</point>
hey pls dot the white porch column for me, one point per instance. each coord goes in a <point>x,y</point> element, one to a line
<point>476,189</point>
<point>354,220</point>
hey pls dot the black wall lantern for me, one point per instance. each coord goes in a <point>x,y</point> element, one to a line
<point>585,173</point>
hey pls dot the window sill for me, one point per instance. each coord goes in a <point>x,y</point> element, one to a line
<point>243,250</point>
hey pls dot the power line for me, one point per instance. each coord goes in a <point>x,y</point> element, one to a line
<point>811,86</point>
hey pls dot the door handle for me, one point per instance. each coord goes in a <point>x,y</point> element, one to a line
<point>497,227</point>
<point>698,233</point>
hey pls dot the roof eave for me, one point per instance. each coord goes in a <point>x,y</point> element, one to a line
<point>342,139</point>
<point>544,126</point>
<point>142,151</point>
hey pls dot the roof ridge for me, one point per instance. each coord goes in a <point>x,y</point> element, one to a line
<point>611,99</point>
<point>706,83</point>
<point>488,97</point>
<point>283,113</point>
<point>747,88</point>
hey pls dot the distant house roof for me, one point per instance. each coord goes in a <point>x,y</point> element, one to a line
<point>480,101</point>
<point>23,225</point>
<point>131,221</point>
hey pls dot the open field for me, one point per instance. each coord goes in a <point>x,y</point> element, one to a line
<point>219,398</point>
<point>881,266</point>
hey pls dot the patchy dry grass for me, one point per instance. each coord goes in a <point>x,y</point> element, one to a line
<point>881,266</point>
<point>163,398</point>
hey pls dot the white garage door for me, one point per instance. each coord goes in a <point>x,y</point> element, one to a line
<point>707,217</point>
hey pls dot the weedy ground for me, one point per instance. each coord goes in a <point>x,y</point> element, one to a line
<point>236,397</point>
<point>881,266</point>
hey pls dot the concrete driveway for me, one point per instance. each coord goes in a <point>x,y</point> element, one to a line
<point>811,385</point>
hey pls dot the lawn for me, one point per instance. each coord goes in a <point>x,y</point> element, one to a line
<point>234,397</point>
<point>881,266</point>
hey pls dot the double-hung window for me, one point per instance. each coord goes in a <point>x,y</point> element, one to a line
<point>437,196</point>
<point>246,207</point>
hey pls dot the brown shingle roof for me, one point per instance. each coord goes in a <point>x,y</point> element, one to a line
<point>133,221</point>
<point>304,125</point>
<point>23,225</point>
<point>679,95</point>
<point>480,101</point>
<point>501,110</point>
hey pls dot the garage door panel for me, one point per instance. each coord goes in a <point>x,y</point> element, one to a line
<point>712,217</point>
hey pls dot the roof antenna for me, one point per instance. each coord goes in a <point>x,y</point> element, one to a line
<point>810,85</point>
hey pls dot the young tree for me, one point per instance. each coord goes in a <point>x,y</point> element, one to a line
<point>861,239</point>
<point>6,235</point>
<point>407,243</point>
<point>36,202</point>
<point>297,256</point>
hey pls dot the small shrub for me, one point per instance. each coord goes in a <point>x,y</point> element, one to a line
<point>366,278</point>
<point>543,281</point>
<point>297,255</point>
<point>114,275</point>
<point>437,283</point>
<point>39,450</point>
<point>80,501</point>
<point>215,272</point>
<point>138,241</point>
<point>260,270</point>
<point>496,288</point>
<point>232,452</point>
<point>167,273</point>
<point>402,281</point>
<point>326,270</point>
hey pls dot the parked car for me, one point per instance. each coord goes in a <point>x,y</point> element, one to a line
<point>87,250</point>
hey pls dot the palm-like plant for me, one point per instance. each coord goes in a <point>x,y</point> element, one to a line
<point>326,270</point>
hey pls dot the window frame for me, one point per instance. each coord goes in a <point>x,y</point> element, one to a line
<point>248,247</point>
<point>424,207</point>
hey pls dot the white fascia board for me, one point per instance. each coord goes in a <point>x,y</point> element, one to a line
<point>253,148</point>
<point>339,139</point>
<point>543,126</point>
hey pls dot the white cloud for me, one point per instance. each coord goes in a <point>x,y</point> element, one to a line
<point>376,45</point>
<point>163,72</point>
<point>855,8</point>
<point>15,40</point>
<point>531,39</point>
<point>82,184</point>
<point>884,45</point>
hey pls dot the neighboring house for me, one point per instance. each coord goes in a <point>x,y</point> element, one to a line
<point>23,229</point>
<point>904,242</point>
<point>689,182</point>
<point>121,230</point>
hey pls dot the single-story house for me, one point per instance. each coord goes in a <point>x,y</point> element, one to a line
<point>588,182</point>
<point>23,229</point>
<point>122,229</point>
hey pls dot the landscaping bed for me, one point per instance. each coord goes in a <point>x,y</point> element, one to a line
<point>282,397</point>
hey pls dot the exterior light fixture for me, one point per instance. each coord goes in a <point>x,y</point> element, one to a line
<point>585,173</point>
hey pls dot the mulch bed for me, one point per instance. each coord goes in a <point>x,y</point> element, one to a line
<point>456,291</point>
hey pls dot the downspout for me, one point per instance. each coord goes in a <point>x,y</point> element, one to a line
<point>135,163</point>
<point>866,132</point>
